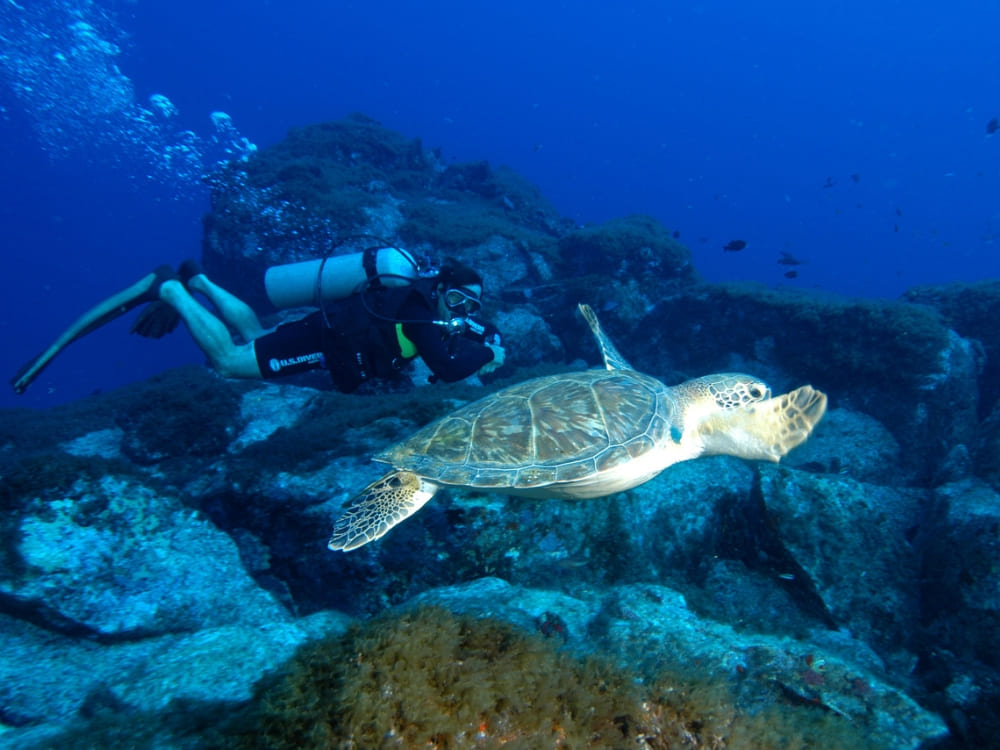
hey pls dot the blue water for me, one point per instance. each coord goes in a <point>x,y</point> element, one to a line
<point>723,120</point>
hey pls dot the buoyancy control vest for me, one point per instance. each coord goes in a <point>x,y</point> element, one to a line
<point>364,338</point>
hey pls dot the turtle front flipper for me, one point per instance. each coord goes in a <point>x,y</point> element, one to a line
<point>380,506</point>
<point>613,360</point>
<point>766,430</point>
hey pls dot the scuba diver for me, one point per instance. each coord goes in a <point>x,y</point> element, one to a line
<point>386,320</point>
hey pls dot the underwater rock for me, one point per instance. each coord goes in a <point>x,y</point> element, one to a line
<point>105,443</point>
<point>986,453</point>
<point>851,544</point>
<point>852,444</point>
<point>895,361</point>
<point>57,681</point>
<point>651,629</point>
<point>960,609</point>
<point>295,200</point>
<point>527,339</point>
<point>217,664</point>
<point>114,559</point>
<point>47,677</point>
<point>972,310</point>
<point>637,248</point>
<point>268,408</point>
<point>961,583</point>
<point>292,201</point>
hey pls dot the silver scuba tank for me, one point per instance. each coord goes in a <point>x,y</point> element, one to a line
<point>312,282</point>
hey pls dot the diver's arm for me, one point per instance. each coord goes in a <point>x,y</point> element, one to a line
<point>450,358</point>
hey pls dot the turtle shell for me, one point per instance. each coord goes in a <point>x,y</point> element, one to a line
<point>559,429</point>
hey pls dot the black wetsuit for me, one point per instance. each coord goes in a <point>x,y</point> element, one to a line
<point>358,346</point>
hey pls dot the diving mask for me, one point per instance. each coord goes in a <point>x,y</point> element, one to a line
<point>462,299</point>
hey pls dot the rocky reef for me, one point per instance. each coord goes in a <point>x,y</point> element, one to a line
<point>165,582</point>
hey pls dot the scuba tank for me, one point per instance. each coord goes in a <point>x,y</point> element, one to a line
<point>313,282</point>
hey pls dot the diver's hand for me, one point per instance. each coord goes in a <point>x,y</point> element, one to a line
<point>499,356</point>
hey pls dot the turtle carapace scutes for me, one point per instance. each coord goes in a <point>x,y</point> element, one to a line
<point>579,435</point>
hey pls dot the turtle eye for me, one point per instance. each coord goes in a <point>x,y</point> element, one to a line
<point>756,391</point>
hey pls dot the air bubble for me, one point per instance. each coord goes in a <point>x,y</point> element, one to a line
<point>60,61</point>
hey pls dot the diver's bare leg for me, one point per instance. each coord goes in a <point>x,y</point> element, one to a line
<point>233,310</point>
<point>211,335</point>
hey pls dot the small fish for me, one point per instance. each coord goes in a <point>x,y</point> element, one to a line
<point>829,182</point>
<point>791,274</point>
<point>856,177</point>
<point>677,234</point>
<point>787,259</point>
<point>899,212</point>
<point>993,126</point>
<point>734,246</point>
<point>895,227</point>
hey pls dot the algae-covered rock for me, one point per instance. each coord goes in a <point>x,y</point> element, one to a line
<point>630,262</point>
<point>973,311</point>
<point>852,444</point>
<point>652,630</point>
<point>962,569</point>
<point>299,198</point>
<point>895,361</point>
<point>851,544</point>
<point>426,675</point>
<point>987,449</point>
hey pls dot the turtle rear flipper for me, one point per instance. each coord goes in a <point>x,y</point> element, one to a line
<point>766,430</point>
<point>380,506</point>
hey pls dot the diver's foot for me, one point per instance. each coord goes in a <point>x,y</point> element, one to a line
<point>159,318</point>
<point>160,276</point>
<point>188,269</point>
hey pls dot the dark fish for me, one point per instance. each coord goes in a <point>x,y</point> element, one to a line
<point>993,126</point>
<point>677,234</point>
<point>899,212</point>
<point>895,227</point>
<point>787,259</point>
<point>734,246</point>
<point>856,177</point>
<point>829,182</point>
<point>791,274</point>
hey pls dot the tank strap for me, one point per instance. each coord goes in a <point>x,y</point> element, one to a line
<point>369,261</point>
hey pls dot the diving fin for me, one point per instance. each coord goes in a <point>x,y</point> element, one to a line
<point>159,318</point>
<point>147,289</point>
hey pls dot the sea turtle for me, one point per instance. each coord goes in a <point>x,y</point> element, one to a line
<point>579,435</point>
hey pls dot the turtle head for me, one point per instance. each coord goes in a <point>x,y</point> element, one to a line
<point>735,415</point>
<point>733,390</point>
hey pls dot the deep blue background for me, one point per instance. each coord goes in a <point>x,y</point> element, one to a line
<point>723,119</point>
